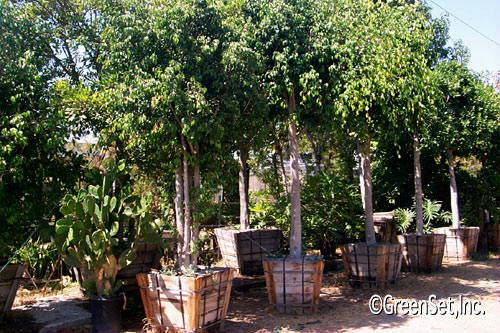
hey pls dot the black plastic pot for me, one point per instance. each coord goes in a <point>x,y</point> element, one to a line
<point>106,313</point>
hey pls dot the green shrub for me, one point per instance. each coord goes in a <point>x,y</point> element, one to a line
<point>331,213</point>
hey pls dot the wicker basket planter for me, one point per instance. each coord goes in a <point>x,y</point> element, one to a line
<point>182,303</point>
<point>244,250</point>
<point>422,253</point>
<point>460,243</point>
<point>294,285</point>
<point>9,282</point>
<point>376,264</point>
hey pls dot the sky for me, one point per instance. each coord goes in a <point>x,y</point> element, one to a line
<point>483,15</point>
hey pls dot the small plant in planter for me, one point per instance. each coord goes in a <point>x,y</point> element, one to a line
<point>422,251</point>
<point>99,233</point>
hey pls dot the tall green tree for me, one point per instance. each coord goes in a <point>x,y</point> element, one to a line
<point>284,35</point>
<point>161,87</point>
<point>35,166</point>
<point>376,54</point>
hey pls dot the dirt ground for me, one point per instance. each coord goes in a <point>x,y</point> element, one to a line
<point>342,309</point>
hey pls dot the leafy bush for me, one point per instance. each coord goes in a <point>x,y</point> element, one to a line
<point>405,217</point>
<point>331,213</point>
<point>39,258</point>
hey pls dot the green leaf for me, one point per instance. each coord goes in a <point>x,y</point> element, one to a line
<point>114,229</point>
<point>112,204</point>
<point>126,257</point>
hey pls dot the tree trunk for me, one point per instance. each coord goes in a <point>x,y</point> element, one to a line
<point>276,176</point>
<point>185,254</point>
<point>316,146</point>
<point>365,181</point>
<point>243,188</point>
<point>179,212</point>
<point>418,183</point>
<point>283,173</point>
<point>453,190</point>
<point>196,230</point>
<point>296,227</point>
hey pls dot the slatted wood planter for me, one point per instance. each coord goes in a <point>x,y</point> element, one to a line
<point>492,235</point>
<point>294,285</point>
<point>9,282</point>
<point>385,230</point>
<point>422,253</point>
<point>148,257</point>
<point>245,250</point>
<point>376,265</point>
<point>460,243</point>
<point>181,303</point>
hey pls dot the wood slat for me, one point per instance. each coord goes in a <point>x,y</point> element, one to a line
<point>460,243</point>
<point>9,282</point>
<point>422,253</point>
<point>378,263</point>
<point>242,250</point>
<point>188,303</point>
<point>289,288</point>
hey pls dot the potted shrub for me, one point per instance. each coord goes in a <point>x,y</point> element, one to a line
<point>100,233</point>
<point>422,251</point>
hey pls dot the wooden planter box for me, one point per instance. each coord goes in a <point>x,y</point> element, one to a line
<point>492,235</point>
<point>9,282</point>
<point>422,253</point>
<point>460,243</point>
<point>385,230</point>
<point>294,285</point>
<point>181,303</point>
<point>245,250</point>
<point>377,264</point>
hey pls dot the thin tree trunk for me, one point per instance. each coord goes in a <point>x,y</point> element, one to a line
<point>196,230</point>
<point>283,173</point>
<point>296,227</point>
<point>418,183</point>
<point>276,176</point>
<point>316,146</point>
<point>365,181</point>
<point>453,190</point>
<point>179,212</point>
<point>187,209</point>
<point>243,188</point>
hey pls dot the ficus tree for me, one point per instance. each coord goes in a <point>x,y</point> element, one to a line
<point>35,166</point>
<point>284,35</point>
<point>462,117</point>
<point>376,53</point>
<point>161,86</point>
<point>247,113</point>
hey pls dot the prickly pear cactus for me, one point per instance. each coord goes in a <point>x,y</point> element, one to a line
<point>101,229</point>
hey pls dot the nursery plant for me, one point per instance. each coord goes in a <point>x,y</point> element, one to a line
<point>99,233</point>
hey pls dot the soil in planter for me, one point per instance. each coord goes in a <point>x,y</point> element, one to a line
<point>186,303</point>
<point>460,243</point>
<point>244,250</point>
<point>294,285</point>
<point>422,253</point>
<point>373,265</point>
